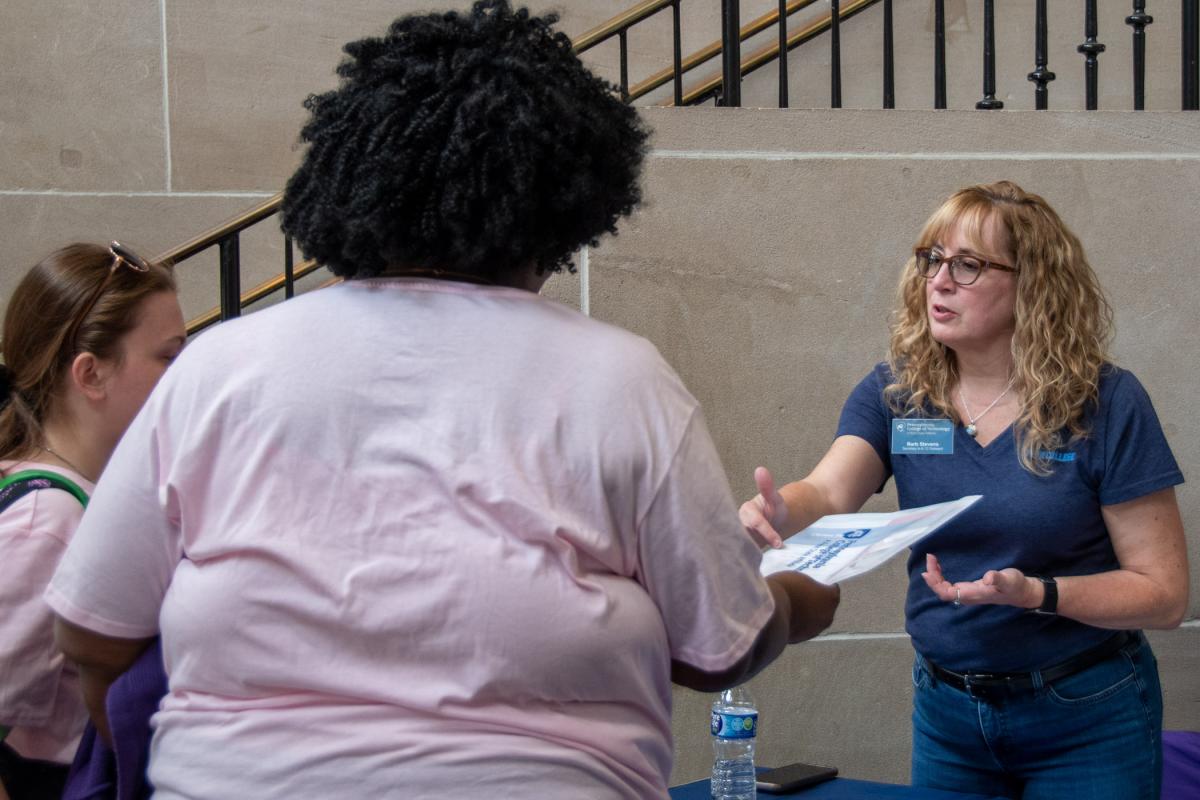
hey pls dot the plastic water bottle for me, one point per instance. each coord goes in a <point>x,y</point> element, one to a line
<point>734,728</point>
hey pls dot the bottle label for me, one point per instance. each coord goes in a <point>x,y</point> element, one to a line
<point>734,726</point>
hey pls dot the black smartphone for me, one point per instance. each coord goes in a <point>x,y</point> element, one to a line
<point>793,777</point>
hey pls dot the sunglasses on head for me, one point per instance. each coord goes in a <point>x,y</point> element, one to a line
<point>122,256</point>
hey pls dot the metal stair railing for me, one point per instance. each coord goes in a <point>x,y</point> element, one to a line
<point>713,50</point>
<point>725,89</point>
<point>712,87</point>
<point>619,26</point>
<point>226,237</point>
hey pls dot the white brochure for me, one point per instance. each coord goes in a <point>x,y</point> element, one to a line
<point>841,546</point>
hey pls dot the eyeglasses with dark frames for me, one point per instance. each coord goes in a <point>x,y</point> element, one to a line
<point>964,270</point>
<point>122,256</point>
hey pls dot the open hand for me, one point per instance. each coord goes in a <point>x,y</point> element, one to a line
<point>1006,587</point>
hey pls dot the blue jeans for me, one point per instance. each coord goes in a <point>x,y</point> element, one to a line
<point>1093,735</point>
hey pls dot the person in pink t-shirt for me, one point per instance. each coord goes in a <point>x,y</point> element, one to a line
<point>426,533</point>
<point>87,332</point>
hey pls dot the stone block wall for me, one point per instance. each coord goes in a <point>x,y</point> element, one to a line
<point>762,263</point>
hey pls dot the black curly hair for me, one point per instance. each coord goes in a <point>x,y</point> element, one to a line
<point>476,143</point>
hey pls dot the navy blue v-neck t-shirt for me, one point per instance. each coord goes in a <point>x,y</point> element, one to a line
<point>1043,525</point>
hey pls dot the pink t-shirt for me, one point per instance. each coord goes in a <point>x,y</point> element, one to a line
<point>39,689</point>
<point>417,538</point>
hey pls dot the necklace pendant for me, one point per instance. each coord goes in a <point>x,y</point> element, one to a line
<point>971,429</point>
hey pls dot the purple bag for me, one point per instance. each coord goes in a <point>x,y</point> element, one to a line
<point>119,773</point>
<point>1181,765</point>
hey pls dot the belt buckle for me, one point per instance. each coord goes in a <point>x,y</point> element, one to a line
<point>983,689</point>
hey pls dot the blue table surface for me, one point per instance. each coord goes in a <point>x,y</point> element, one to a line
<point>836,789</point>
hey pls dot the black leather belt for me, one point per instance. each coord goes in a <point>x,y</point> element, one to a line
<point>982,682</point>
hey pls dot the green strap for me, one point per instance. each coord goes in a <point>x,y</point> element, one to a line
<point>59,481</point>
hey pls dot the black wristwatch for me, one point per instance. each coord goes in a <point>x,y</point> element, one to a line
<point>1049,598</point>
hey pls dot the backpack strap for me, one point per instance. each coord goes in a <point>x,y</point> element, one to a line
<point>19,484</point>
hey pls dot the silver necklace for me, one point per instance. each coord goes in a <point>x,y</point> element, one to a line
<point>971,420</point>
<point>59,456</point>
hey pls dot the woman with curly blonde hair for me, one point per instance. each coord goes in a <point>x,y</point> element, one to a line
<point>1032,677</point>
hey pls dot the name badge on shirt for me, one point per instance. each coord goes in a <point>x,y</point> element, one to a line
<point>922,437</point>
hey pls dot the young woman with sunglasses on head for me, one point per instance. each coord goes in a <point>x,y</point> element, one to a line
<point>87,333</point>
<point>1032,678</point>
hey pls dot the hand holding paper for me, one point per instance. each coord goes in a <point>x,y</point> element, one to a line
<point>841,546</point>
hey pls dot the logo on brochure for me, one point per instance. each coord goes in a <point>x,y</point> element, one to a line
<point>858,534</point>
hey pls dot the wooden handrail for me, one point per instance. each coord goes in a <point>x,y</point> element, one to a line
<point>712,50</point>
<point>609,29</point>
<point>214,235</point>
<point>765,54</point>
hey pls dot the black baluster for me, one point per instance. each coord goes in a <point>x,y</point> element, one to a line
<point>230,277</point>
<point>731,54</point>
<point>889,59</point>
<point>289,276</point>
<point>1190,51</point>
<point>989,101</point>
<point>678,56</point>
<point>939,54</point>
<point>1139,19</point>
<point>835,56</point>
<point>1091,50</point>
<point>624,39</point>
<point>1040,75</point>
<point>783,55</point>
